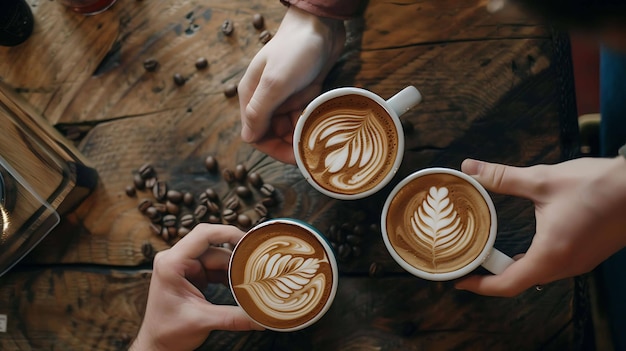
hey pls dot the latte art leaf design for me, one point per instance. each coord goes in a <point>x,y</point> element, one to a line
<point>357,143</point>
<point>438,226</point>
<point>283,284</point>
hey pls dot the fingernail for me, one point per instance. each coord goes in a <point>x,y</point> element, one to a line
<point>472,167</point>
<point>246,134</point>
<point>458,287</point>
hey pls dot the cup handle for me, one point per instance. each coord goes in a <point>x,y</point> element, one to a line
<point>497,261</point>
<point>405,100</point>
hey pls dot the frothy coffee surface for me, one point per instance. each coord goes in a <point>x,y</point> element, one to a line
<point>349,144</point>
<point>438,223</point>
<point>281,275</point>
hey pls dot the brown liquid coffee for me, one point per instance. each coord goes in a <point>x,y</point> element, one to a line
<point>349,144</point>
<point>281,275</point>
<point>438,223</point>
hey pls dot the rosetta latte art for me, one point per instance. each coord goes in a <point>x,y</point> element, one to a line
<point>438,227</point>
<point>357,145</point>
<point>282,283</point>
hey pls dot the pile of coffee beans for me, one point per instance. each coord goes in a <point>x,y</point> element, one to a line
<point>174,212</point>
<point>347,238</point>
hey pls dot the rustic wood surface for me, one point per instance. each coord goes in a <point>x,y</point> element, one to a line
<point>490,92</point>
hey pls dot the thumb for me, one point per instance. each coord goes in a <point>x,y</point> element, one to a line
<point>231,318</point>
<point>519,276</point>
<point>516,181</point>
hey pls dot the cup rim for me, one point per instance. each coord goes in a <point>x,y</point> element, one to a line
<point>331,260</point>
<point>342,91</point>
<point>485,252</point>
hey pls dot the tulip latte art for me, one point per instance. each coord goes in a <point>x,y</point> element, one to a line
<point>281,275</point>
<point>349,144</point>
<point>438,223</point>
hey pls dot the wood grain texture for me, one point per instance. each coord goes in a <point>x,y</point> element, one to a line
<point>490,91</point>
<point>101,309</point>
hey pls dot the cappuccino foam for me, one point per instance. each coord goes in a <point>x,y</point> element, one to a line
<point>281,275</point>
<point>349,144</point>
<point>438,223</point>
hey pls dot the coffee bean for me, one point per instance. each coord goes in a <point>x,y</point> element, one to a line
<point>261,210</point>
<point>374,228</point>
<point>165,233</point>
<point>211,164</point>
<point>155,229</point>
<point>228,27</point>
<point>182,231</point>
<point>211,194</point>
<point>202,63</point>
<point>144,205</point>
<point>232,203</point>
<point>130,191</point>
<point>178,79</point>
<point>172,231</point>
<point>212,207</point>
<point>213,219</point>
<point>229,215</point>
<point>146,171</point>
<point>200,212</point>
<point>139,182</point>
<point>268,190</point>
<point>160,207</point>
<point>156,219</point>
<point>334,246</point>
<point>358,230</point>
<point>344,251</point>
<point>258,21</point>
<point>240,172</point>
<point>169,220</point>
<point>150,182</point>
<point>244,221</point>
<point>150,65</point>
<point>353,239</point>
<point>188,199</point>
<point>147,250</point>
<point>356,251</point>
<point>159,190</point>
<point>243,192</point>
<point>228,175</point>
<point>230,90</point>
<point>151,212</point>
<point>175,196</point>
<point>255,180</point>
<point>260,220</point>
<point>172,208</point>
<point>376,270</point>
<point>265,37</point>
<point>187,220</point>
<point>268,201</point>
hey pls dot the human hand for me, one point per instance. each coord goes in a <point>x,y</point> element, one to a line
<point>284,76</point>
<point>579,210</point>
<point>178,317</point>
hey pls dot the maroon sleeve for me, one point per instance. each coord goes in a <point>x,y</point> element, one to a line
<point>339,9</point>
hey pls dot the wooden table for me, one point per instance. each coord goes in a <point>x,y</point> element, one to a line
<point>498,90</point>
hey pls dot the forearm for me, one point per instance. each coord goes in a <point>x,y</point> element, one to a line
<point>337,9</point>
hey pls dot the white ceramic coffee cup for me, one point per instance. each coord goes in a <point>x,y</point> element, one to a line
<point>395,106</point>
<point>331,260</point>
<point>490,258</point>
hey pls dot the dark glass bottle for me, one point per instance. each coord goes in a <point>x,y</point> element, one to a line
<point>16,22</point>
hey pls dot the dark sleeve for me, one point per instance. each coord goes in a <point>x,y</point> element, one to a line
<point>338,9</point>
